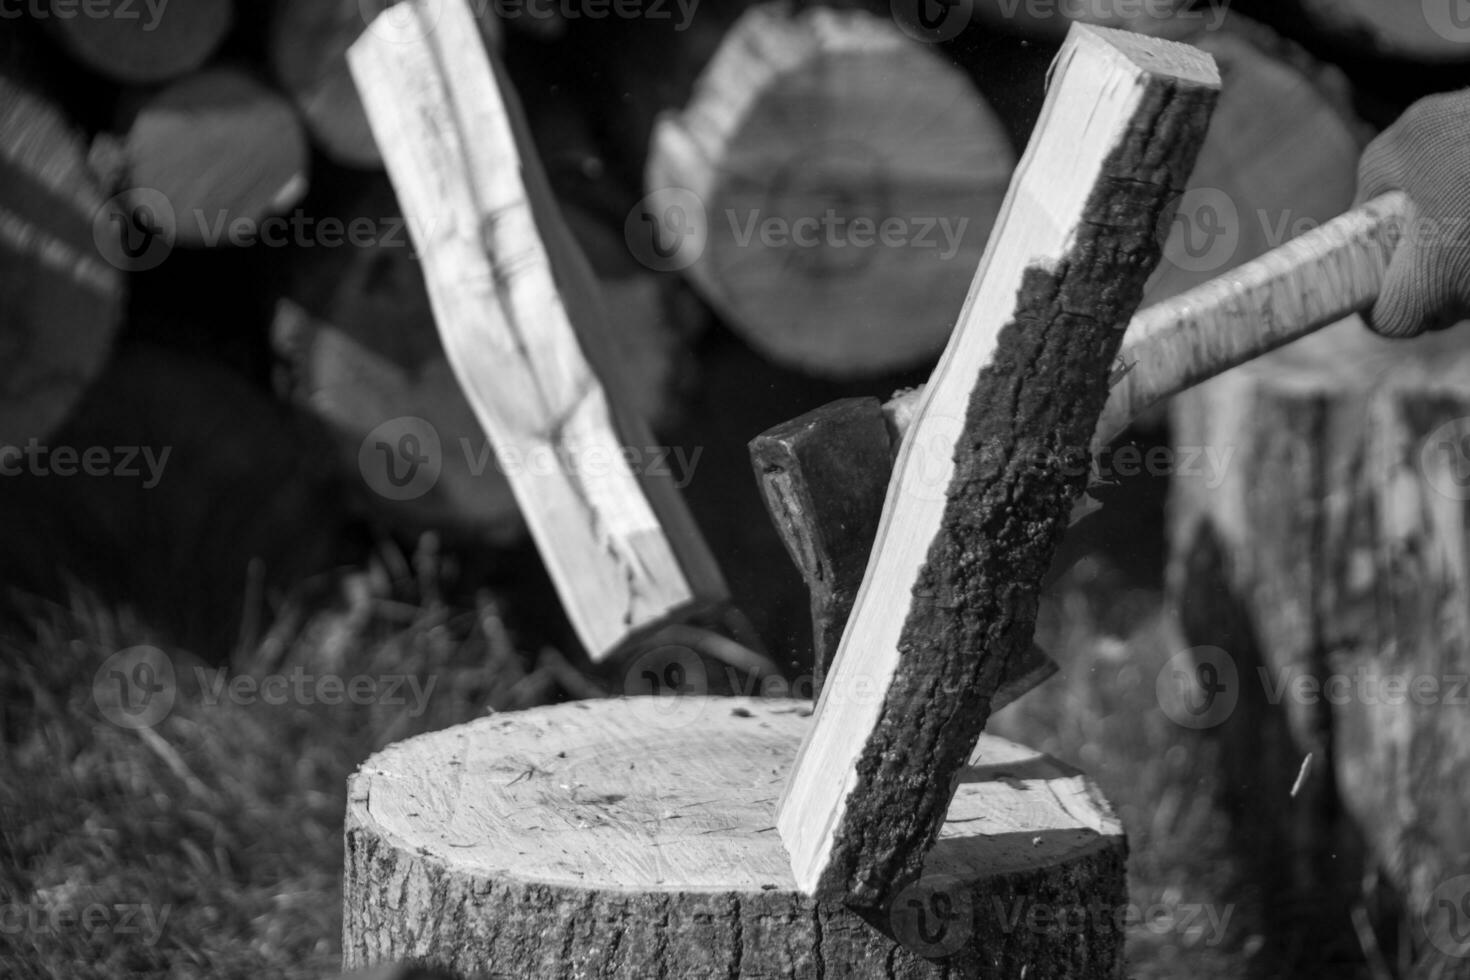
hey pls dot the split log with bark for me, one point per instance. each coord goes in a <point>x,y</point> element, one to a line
<point>983,488</point>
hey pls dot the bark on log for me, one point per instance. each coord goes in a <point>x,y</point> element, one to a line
<point>634,838</point>
<point>829,189</point>
<point>141,43</point>
<point>308,52</point>
<point>223,150</point>
<point>61,298</point>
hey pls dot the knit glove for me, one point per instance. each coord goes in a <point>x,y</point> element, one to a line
<point>1426,154</point>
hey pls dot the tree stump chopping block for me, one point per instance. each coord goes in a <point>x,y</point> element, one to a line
<point>636,837</point>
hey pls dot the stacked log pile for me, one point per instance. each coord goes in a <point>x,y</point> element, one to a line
<point>209,122</point>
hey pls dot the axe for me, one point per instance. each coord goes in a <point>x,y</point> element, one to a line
<point>824,475</point>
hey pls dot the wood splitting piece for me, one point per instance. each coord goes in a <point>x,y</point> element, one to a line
<point>823,476</point>
<point>984,484</point>
<point>1311,282</point>
<point>524,328</point>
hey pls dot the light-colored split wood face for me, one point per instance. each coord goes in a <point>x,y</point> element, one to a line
<point>457,155</point>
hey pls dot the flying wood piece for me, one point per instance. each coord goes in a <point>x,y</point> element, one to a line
<point>977,506</point>
<point>824,475</point>
<point>1309,283</point>
<point>523,325</point>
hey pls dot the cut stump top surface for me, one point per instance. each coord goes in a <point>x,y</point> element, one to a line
<point>679,794</point>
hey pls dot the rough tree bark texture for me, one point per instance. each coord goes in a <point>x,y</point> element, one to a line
<point>635,838</point>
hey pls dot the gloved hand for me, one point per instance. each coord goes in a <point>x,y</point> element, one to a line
<point>1426,154</point>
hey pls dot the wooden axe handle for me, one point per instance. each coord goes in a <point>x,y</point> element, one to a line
<point>1310,282</point>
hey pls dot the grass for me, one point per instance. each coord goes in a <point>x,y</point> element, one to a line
<point>210,844</point>
<point>221,825</point>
